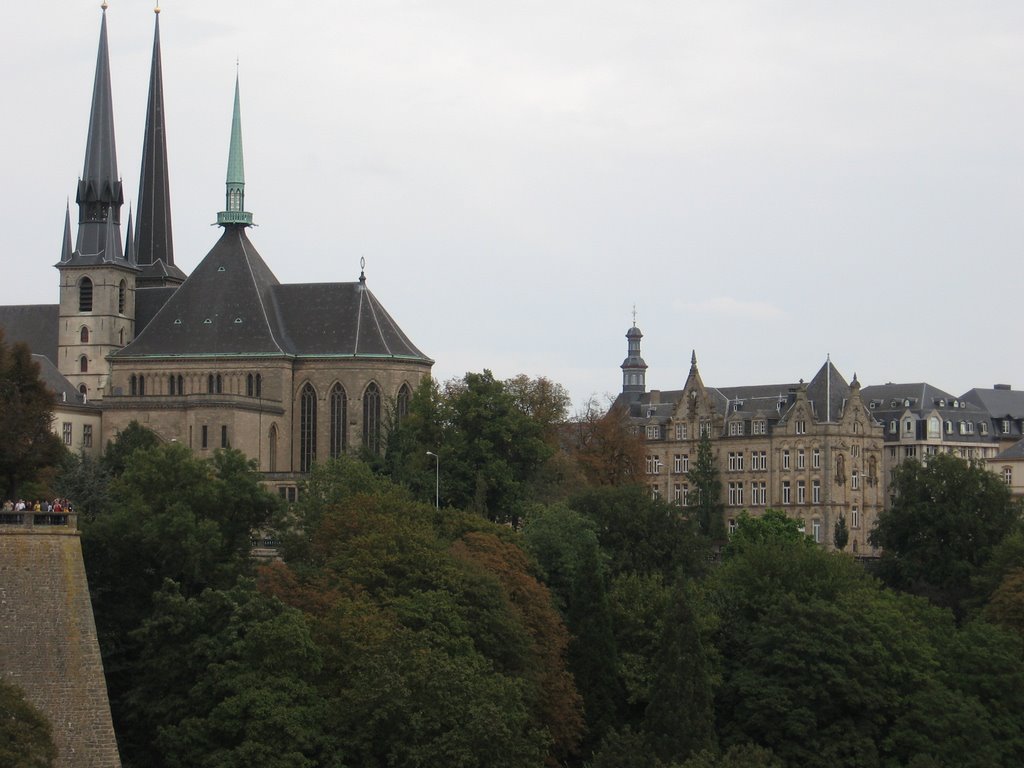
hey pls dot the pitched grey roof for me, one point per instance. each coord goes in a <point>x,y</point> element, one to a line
<point>1015,451</point>
<point>55,380</point>
<point>828,392</point>
<point>339,319</point>
<point>148,302</point>
<point>33,324</point>
<point>1000,403</point>
<point>232,304</point>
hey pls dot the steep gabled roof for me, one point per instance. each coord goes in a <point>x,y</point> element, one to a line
<point>828,393</point>
<point>223,308</point>
<point>1000,402</point>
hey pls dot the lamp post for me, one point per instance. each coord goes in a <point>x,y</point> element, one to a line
<point>437,479</point>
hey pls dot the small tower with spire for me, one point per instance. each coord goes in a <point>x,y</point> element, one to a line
<point>234,213</point>
<point>97,281</point>
<point>634,369</point>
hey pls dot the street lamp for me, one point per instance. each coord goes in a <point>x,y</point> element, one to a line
<point>437,479</point>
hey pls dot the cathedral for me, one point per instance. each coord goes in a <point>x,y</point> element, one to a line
<point>227,356</point>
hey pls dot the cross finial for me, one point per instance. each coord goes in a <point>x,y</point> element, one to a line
<point>634,314</point>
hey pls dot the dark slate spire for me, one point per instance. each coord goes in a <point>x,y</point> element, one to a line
<point>234,211</point>
<point>99,195</point>
<point>129,240</point>
<point>154,249</point>
<point>66,248</point>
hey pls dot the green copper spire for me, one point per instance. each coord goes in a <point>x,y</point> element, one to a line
<point>235,212</point>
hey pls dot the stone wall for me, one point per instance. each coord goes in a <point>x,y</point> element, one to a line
<point>49,644</point>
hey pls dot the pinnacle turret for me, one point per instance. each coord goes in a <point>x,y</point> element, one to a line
<point>234,212</point>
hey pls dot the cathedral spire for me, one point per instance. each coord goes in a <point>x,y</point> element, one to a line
<point>234,212</point>
<point>154,247</point>
<point>99,195</point>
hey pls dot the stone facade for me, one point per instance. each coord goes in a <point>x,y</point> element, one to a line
<point>48,636</point>
<point>811,450</point>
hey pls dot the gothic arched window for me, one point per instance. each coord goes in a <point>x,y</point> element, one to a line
<point>249,386</point>
<point>272,449</point>
<point>307,428</point>
<point>339,421</point>
<point>402,404</point>
<point>371,418</point>
<point>83,364</point>
<point>83,336</point>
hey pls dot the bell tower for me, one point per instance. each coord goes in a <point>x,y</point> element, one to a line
<point>97,280</point>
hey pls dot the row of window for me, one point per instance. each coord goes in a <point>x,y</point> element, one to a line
<point>736,462</point>
<point>936,428</point>
<point>338,426</point>
<point>67,433</point>
<point>85,296</point>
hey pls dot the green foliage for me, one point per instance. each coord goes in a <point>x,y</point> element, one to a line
<point>841,534</point>
<point>707,491</point>
<point>736,756</point>
<point>132,438</point>
<point>680,716</point>
<point>85,481</point>
<point>827,669</point>
<point>773,526</point>
<point>945,520</point>
<point>25,740</point>
<point>492,437</point>
<point>26,413</point>
<point>440,646</point>
<point>224,680</point>
<point>640,534</point>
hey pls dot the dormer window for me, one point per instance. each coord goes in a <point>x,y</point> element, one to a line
<point>653,432</point>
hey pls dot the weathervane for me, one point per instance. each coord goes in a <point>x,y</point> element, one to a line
<point>634,315</point>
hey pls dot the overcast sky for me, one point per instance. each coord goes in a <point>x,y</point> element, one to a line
<point>767,182</point>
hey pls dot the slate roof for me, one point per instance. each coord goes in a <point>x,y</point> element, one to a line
<point>828,393</point>
<point>889,401</point>
<point>1000,403</point>
<point>233,305</point>
<point>33,324</point>
<point>148,302</point>
<point>1015,451</point>
<point>55,380</point>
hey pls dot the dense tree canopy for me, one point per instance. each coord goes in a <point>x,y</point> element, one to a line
<point>26,415</point>
<point>945,520</point>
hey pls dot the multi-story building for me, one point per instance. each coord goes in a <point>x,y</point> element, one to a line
<point>812,450</point>
<point>921,420</point>
<point>1005,408</point>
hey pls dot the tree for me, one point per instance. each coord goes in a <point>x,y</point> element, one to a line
<point>546,402</point>
<point>132,438</point>
<point>773,526</point>
<point>25,740</point>
<point>605,446</point>
<point>707,491</point>
<point>945,519</point>
<point>224,679</point>
<point>680,716</point>
<point>841,534</point>
<point>26,415</point>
